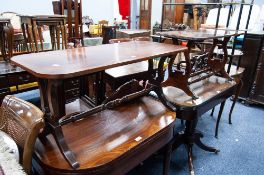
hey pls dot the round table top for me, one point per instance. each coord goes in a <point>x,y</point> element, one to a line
<point>10,143</point>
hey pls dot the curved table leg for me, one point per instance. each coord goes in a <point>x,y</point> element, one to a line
<point>239,86</point>
<point>198,142</point>
<point>188,137</point>
<point>218,118</point>
<point>53,95</point>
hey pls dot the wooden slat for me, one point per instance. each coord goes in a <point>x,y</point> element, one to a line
<point>69,14</point>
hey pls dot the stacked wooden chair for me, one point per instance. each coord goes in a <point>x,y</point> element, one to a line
<point>73,10</point>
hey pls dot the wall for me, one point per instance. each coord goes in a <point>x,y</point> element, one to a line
<point>30,7</point>
<point>97,9</point>
<point>156,12</point>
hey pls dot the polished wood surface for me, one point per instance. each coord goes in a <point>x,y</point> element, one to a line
<point>128,69</point>
<point>204,89</point>
<point>112,141</point>
<point>22,121</point>
<point>131,33</point>
<point>201,34</point>
<point>82,61</point>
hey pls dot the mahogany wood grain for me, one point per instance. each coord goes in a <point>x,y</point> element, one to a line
<point>201,34</point>
<point>204,89</point>
<point>131,33</point>
<point>128,69</point>
<point>82,61</point>
<point>110,142</point>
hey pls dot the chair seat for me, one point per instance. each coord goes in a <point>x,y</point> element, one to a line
<point>129,69</point>
<point>205,89</point>
<point>234,72</point>
<point>229,52</point>
<point>112,140</point>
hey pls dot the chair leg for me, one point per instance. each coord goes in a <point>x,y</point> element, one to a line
<point>239,86</point>
<point>212,112</point>
<point>182,122</point>
<point>190,159</point>
<point>219,117</point>
<point>167,159</point>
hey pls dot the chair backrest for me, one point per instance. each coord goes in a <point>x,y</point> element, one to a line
<point>73,10</point>
<point>101,24</point>
<point>212,16</point>
<point>14,19</point>
<point>254,17</point>
<point>22,121</point>
<point>120,40</point>
<point>142,38</point>
<point>108,32</point>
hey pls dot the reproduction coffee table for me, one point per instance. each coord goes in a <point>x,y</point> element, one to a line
<point>203,81</point>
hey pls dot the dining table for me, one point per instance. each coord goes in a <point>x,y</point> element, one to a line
<point>53,68</point>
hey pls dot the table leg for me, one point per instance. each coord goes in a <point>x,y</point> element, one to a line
<point>56,98</point>
<point>10,39</point>
<point>218,65</point>
<point>43,85</point>
<point>188,137</point>
<point>63,146</point>
<point>58,36</point>
<point>62,36</point>
<point>65,34</point>
<point>238,89</point>
<point>195,18</point>
<point>35,34</point>
<point>30,34</point>
<point>53,103</point>
<point>2,41</point>
<point>52,37</point>
<point>25,36</point>
<point>99,88</point>
<point>40,37</point>
<point>219,117</point>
